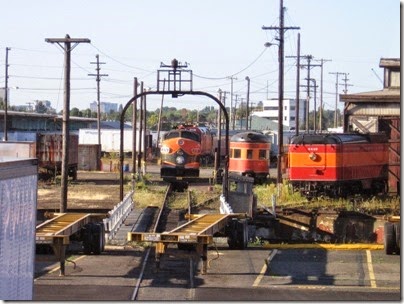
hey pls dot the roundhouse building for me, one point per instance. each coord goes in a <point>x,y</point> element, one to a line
<point>379,111</point>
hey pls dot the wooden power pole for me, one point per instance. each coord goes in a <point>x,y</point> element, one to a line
<point>66,45</point>
<point>98,79</point>
<point>281,30</point>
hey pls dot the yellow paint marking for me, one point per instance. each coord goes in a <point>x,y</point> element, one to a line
<point>264,268</point>
<point>370,268</point>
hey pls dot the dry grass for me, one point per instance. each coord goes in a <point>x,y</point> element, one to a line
<point>290,199</point>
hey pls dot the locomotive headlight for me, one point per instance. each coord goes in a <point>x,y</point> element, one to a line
<point>180,160</point>
<point>313,156</point>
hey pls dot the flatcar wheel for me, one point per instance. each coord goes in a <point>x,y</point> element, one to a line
<point>389,238</point>
<point>242,228</point>
<point>87,238</point>
<point>97,238</point>
<point>397,232</point>
<point>232,234</point>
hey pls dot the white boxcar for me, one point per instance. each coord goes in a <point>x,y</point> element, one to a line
<point>110,139</point>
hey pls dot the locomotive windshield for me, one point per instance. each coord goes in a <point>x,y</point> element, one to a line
<point>183,134</point>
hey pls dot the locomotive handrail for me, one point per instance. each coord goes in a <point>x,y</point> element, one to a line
<point>117,215</point>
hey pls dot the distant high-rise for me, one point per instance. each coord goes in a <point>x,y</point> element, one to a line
<point>105,107</point>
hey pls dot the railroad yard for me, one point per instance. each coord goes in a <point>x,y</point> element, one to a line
<point>261,271</point>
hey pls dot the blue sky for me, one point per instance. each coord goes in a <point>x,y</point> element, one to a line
<point>217,38</point>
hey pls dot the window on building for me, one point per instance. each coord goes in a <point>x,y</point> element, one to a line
<point>292,108</point>
<point>271,108</point>
<point>249,154</point>
<point>286,108</point>
<point>395,79</point>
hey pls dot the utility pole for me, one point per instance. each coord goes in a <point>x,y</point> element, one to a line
<point>309,66</point>
<point>315,101</point>
<point>219,132</point>
<point>321,92</point>
<point>6,97</point>
<point>297,86</point>
<point>345,84</point>
<point>336,96</point>
<point>98,79</point>
<point>281,30</point>
<point>134,125</point>
<point>66,45</point>
<point>231,100</point>
<point>235,112</point>
<point>160,115</point>
<point>139,155</point>
<point>248,102</point>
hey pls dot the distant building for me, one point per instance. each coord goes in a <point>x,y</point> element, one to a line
<point>270,110</point>
<point>105,107</point>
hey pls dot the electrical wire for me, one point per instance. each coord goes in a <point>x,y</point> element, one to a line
<point>117,61</point>
<point>226,77</point>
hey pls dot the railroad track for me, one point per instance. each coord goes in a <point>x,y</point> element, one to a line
<point>165,219</point>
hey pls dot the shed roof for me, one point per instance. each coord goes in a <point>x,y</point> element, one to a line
<point>386,95</point>
<point>390,63</point>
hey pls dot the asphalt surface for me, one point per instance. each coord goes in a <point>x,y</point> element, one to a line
<point>233,275</point>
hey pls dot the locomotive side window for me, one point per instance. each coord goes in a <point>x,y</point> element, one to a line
<point>237,153</point>
<point>262,154</point>
<point>249,154</point>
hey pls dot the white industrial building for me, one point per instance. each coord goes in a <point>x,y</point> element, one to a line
<point>270,110</point>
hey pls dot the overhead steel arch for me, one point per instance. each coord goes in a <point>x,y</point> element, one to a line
<point>176,94</point>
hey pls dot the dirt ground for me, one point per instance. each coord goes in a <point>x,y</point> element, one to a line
<point>91,190</point>
<point>95,190</point>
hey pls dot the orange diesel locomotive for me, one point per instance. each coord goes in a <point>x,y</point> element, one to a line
<point>249,155</point>
<point>180,153</point>
<point>338,165</point>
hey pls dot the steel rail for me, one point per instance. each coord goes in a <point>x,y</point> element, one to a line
<point>140,278</point>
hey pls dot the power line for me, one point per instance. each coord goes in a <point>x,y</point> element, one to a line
<point>234,74</point>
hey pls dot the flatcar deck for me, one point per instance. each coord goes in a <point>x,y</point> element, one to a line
<point>199,232</point>
<point>57,231</point>
<point>61,226</point>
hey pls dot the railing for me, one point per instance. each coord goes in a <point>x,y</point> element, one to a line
<point>225,208</point>
<point>117,215</point>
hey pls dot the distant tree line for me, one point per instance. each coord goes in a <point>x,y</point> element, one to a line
<point>172,116</point>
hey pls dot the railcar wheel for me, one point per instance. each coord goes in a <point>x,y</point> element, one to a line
<point>97,238</point>
<point>397,232</point>
<point>237,234</point>
<point>389,238</point>
<point>87,237</point>
<point>93,238</point>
